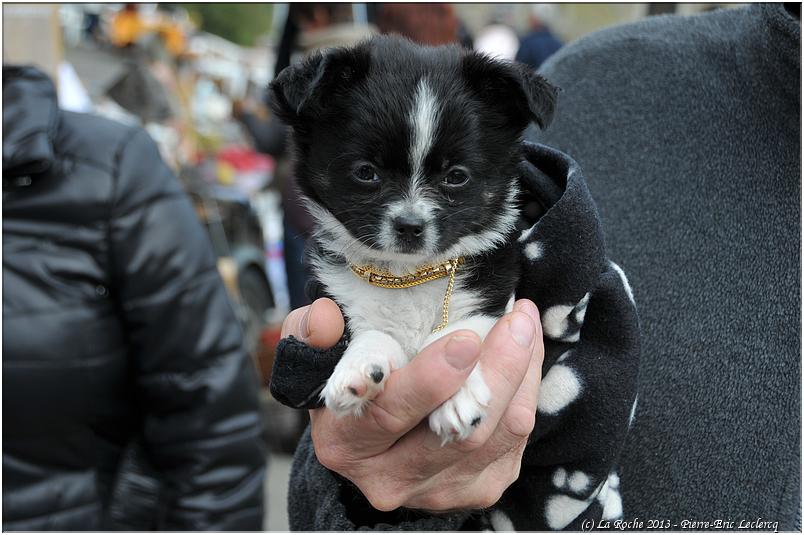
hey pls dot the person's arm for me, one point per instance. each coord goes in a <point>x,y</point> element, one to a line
<point>387,470</point>
<point>570,471</point>
<point>195,384</point>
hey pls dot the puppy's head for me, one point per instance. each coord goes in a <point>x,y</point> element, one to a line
<point>409,153</point>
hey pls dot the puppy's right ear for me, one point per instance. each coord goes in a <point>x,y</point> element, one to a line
<point>304,89</point>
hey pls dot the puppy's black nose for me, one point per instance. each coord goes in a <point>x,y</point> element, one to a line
<point>408,227</point>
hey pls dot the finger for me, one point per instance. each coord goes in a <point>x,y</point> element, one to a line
<point>504,362</point>
<point>519,416</point>
<point>410,394</point>
<point>505,358</point>
<point>319,325</point>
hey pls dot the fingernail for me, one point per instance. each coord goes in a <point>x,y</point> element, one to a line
<point>521,329</point>
<point>461,351</point>
<point>528,308</point>
<point>305,323</point>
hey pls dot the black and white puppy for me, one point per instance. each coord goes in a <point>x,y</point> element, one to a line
<point>407,156</point>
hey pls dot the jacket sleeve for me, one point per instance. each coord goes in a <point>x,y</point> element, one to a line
<point>569,477</point>
<point>196,386</point>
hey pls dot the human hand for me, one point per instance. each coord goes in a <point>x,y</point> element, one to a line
<point>391,455</point>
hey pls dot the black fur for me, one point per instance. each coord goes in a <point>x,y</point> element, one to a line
<point>350,107</point>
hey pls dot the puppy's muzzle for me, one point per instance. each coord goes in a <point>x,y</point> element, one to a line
<point>409,232</point>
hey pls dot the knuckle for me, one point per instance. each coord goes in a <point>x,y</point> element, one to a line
<point>490,495</point>
<point>475,441</point>
<point>383,498</point>
<point>519,421</point>
<point>329,455</point>
<point>388,422</point>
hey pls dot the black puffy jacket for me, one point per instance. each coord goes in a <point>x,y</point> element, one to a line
<point>128,398</point>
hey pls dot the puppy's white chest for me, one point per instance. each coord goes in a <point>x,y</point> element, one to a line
<point>406,314</point>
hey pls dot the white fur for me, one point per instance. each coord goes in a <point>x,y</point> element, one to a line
<point>454,418</point>
<point>368,352</point>
<point>419,207</point>
<point>494,236</point>
<point>406,317</point>
<point>423,121</point>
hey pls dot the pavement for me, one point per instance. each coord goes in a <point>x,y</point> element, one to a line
<point>276,493</point>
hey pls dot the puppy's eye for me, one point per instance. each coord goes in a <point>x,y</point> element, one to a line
<point>457,176</point>
<point>366,174</point>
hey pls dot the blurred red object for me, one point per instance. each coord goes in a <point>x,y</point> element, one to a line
<point>269,338</point>
<point>245,159</point>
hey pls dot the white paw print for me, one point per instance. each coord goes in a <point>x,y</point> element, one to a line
<point>561,509</point>
<point>457,417</point>
<point>609,498</point>
<point>560,386</point>
<point>564,322</point>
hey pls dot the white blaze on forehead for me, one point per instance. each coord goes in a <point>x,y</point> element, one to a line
<point>423,123</point>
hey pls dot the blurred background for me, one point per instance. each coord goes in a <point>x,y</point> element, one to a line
<point>194,75</point>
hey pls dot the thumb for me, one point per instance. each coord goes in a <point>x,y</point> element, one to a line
<point>319,325</point>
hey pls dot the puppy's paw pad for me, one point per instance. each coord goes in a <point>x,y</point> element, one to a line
<point>456,418</point>
<point>354,383</point>
<point>376,374</point>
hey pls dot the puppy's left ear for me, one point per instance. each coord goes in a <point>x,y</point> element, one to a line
<point>305,89</point>
<point>513,88</point>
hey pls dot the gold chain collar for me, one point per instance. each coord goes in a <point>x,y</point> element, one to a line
<point>385,279</point>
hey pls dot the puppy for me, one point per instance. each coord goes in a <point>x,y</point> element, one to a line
<point>407,157</point>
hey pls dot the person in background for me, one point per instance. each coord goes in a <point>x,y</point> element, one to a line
<point>426,24</point>
<point>129,401</point>
<point>310,26</point>
<point>689,132</point>
<point>540,43</point>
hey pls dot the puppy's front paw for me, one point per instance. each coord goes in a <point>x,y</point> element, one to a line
<point>457,417</point>
<point>360,376</point>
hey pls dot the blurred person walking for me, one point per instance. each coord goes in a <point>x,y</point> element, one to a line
<point>129,401</point>
<point>540,43</point>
